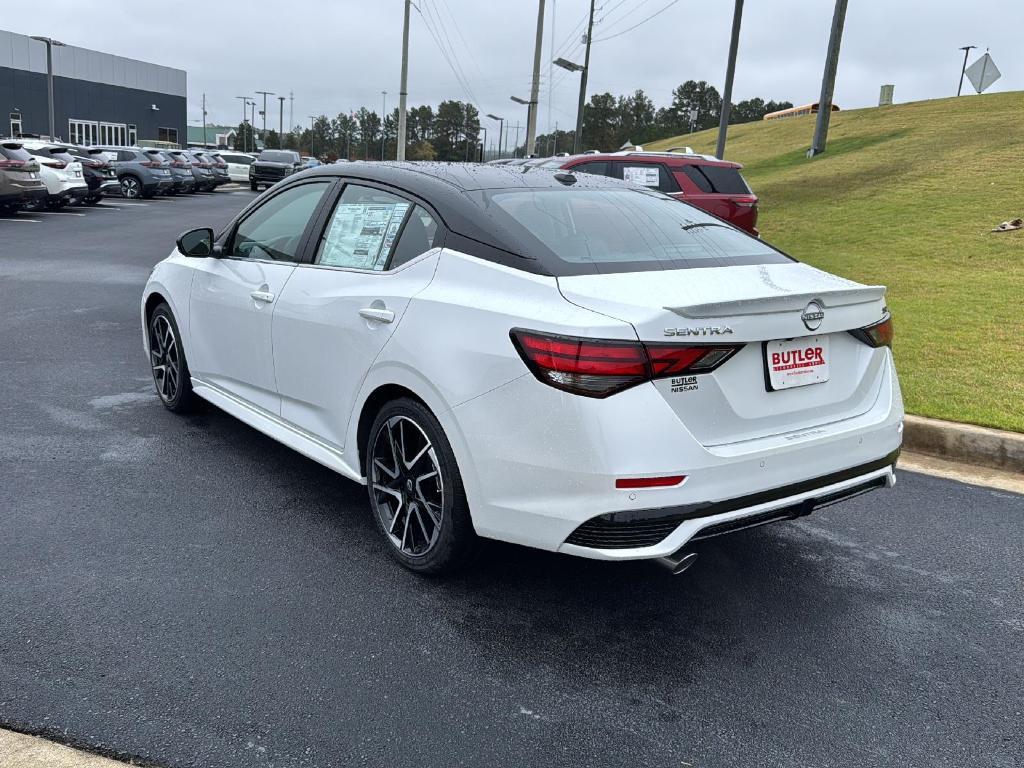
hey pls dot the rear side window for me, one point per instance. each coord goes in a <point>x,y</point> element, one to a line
<point>588,231</point>
<point>418,235</point>
<point>597,167</point>
<point>654,176</point>
<point>363,229</point>
<point>718,179</point>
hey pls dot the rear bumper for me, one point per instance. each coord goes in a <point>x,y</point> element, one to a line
<point>23,195</point>
<point>537,464</point>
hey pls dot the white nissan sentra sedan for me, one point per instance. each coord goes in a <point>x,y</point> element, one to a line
<point>552,359</point>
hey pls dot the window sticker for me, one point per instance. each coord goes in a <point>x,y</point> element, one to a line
<point>361,234</point>
<point>646,175</point>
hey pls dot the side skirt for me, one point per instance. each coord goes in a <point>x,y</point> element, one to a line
<point>273,426</point>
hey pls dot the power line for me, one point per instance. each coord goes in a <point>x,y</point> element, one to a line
<point>638,24</point>
<point>428,22</point>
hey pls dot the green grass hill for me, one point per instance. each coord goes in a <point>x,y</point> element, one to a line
<point>906,196</point>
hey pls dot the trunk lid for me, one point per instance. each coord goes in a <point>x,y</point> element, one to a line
<point>748,305</point>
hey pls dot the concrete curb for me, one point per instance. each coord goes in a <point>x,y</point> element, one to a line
<point>20,751</point>
<point>964,443</point>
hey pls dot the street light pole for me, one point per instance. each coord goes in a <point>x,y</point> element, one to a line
<point>280,123</point>
<point>204,122</point>
<point>383,116</point>
<point>311,119</point>
<point>252,122</point>
<point>828,81</point>
<point>245,105</point>
<point>578,143</point>
<point>501,127</point>
<point>730,71</point>
<point>50,42</point>
<point>403,87</point>
<point>531,123</point>
<point>967,50</point>
<point>265,94</point>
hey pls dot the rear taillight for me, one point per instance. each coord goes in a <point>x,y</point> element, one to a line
<point>877,335</point>
<point>50,163</point>
<point>602,367</point>
<point>151,164</point>
<point>10,164</point>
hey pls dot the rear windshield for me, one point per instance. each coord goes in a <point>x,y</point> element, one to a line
<point>14,152</point>
<point>590,231</point>
<point>717,178</point>
<point>240,159</point>
<point>271,156</point>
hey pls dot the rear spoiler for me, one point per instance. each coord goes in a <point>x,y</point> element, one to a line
<point>863,294</point>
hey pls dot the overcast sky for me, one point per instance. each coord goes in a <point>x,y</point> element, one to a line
<point>336,55</point>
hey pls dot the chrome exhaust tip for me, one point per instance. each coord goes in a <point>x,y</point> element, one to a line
<point>677,563</point>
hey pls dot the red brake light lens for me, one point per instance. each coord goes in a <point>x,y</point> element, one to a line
<point>602,367</point>
<point>11,164</point>
<point>649,482</point>
<point>878,334</point>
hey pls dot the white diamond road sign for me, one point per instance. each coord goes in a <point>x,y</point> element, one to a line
<point>983,73</point>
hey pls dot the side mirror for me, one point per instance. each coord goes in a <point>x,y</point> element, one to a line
<point>197,243</point>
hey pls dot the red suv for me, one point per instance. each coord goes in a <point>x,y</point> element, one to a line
<point>713,185</point>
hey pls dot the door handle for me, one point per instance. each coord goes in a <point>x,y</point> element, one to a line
<point>265,296</point>
<point>380,315</point>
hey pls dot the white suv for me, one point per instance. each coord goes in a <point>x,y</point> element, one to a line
<point>557,360</point>
<point>60,172</point>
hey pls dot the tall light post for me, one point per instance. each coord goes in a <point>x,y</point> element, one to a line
<point>264,113</point>
<point>245,110</point>
<point>280,123</point>
<point>967,50</point>
<point>383,116</point>
<point>531,121</point>
<point>583,83</point>
<point>483,147</point>
<point>529,113</point>
<point>50,43</point>
<point>828,80</point>
<point>252,122</point>
<point>403,87</point>
<point>501,127</point>
<point>573,67</point>
<point>311,119</point>
<point>730,71</point>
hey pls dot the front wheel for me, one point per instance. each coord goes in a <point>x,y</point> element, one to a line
<point>167,361</point>
<point>416,491</point>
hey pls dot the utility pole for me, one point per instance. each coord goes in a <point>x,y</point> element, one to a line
<point>501,127</point>
<point>730,71</point>
<point>252,123</point>
<point>531,119</point>
<point>403,87</point>
<point>291,110</point>
<point>383,116</point>
<point>578,143</point>
<point>280,123</point>
<point>828,81</point>
<point>264,113</point>
<point>50,43</point>
<point>551,64</point>
<point>311,119</point>
<point>204,121</point>
<point>245,104</point>
<point>966,49</point>
<point>515,147</point>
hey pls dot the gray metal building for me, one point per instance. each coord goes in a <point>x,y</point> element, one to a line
<point>98,98</point>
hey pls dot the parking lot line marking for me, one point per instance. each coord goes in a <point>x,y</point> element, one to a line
<point>22,221</point>
<point>107,208</point>
<point>57,213</point>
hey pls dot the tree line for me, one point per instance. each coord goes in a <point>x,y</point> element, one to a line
<point>452,131</point>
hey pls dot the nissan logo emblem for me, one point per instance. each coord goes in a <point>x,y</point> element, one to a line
<point>812,315</point>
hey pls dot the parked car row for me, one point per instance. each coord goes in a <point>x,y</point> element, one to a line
<point>36,172</point>
<point>714,185</point>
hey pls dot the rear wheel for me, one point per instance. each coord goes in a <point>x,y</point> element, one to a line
<point>167,361</point>
<point>416,491</point>
<point>131,187</point>
<point>253,186</point>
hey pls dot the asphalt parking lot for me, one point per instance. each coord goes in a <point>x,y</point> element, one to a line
<point>189,593</point>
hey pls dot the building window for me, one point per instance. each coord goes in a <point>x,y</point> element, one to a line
<point>15,124</point>
<point>133,135</point>
<point>113,134</point>
<point>84,132</point>
<point>169,135</point>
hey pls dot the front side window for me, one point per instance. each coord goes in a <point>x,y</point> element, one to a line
<point>588,231</point>
<point>274,230</point>
<point>363,229</point>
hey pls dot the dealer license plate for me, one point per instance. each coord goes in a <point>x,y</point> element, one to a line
<point>797,362</point>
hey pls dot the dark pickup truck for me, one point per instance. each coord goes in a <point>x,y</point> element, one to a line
<point>273,165</point>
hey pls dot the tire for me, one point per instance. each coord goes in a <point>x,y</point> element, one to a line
<point>420,508</point>
<point>56,203</point>
<point>254,186</point>
<point>167,361</point>
<point>131,187</point>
